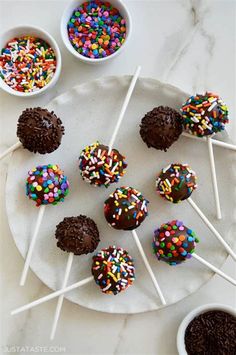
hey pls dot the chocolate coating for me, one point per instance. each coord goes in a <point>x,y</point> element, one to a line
<point>78,235</point>
<point>113,270</point>
<point>204,115</point>
<point>100,169</point>
<point>39,130</point>
<point>161,127</point>
<point>176,182</point>
<point>47,184</point>
<point>174,242</point>
<point>125,208</point>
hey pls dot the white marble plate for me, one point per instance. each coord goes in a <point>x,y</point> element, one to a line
<point>89,112</point>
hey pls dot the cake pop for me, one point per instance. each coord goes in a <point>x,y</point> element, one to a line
<point>76,235</point>
<point>112,269</point>
<point>161,127</point>
<point>38,130</point>
<point>101,165</point>
<point>174,243</point>
<point>204,115</point>
<point>176,182</point>
<point>99,168</point>
<point>45,185</point>
<point>125,209</point>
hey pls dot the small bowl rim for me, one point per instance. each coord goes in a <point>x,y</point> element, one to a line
<point>68,45</point>
<point>47,37</point>
<point>194,313</point>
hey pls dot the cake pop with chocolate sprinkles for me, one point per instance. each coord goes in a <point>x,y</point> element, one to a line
<point>174,242</point>
<point>161,127</point>
<point>113,270</point>
<point>176,182</point>
<point>39,130</point>
<point>98,167</point>
<point>78,235</point>
<point>204,115</point>
<point>125,208</point>
<point>47,184</point>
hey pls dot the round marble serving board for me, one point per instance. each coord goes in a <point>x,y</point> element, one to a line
<point>89,113</point>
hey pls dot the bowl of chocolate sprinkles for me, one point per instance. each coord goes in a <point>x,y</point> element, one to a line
<point>208,330</point>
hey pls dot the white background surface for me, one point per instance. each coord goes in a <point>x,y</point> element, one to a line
<point>190,44</point>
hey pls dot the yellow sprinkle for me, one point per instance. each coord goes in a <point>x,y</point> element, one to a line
<point>113,276</point>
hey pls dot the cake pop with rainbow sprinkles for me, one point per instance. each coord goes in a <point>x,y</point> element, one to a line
<point>174,242</point>
<point>176,182</point>
<point>98,167</point>
<point>204,115</point>
<point>47,184</point>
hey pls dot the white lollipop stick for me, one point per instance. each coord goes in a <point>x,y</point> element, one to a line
<point>60,299</point>
<point>11,149</point>
<point>148,267</point>
<point>53,295</point>
<point>214,141</point>
<point>215,269</point>
<point>212,228</point>
<point>32,244</point>
<point>124,107</point>
<point>214,180</point>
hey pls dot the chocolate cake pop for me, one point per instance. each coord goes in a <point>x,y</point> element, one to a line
<point>39,130</point>
<point>161,127</point>
<point>47,184</point>
<point>75,235</point>
<point>176,182</point>
<point>78,235</point>
<point>174,243</point>
<point>126,208</point>
<point>113,270</point>
<point>99,168</point>
<point>204,115</point>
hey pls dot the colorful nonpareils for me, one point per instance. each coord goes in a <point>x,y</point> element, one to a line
<point>96,29</point>
<point>113,270</point>
<point>204,115</point>
<point>176,182</point>
<point>27,63</point>
<point>100,168</point>
<point>39,130</point>
<point>174,242</point>
<point>47,184</point>
<point>78,235</point>
<point>125,208</point>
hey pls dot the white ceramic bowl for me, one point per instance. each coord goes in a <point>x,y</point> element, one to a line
<point>34,31</point>
<point>194,313</point>
<point>64,33</point>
